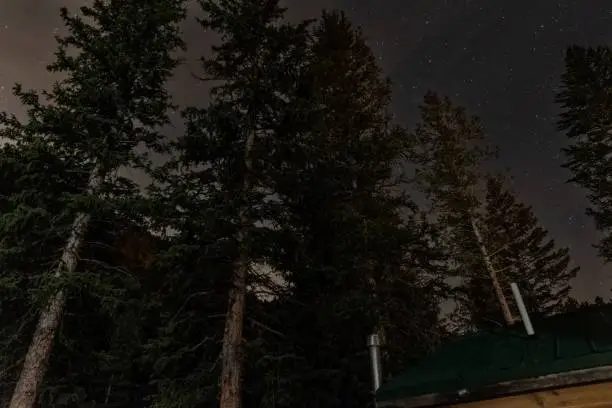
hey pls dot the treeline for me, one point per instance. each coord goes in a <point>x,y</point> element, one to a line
<point>280,232</point>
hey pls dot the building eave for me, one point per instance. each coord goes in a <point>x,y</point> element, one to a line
<point>507,388</point>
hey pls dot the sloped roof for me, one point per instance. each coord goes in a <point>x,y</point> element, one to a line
<point>567,342</point>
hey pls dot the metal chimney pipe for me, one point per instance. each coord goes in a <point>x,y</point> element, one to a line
<point>522,309</point>
<point>374,347</point>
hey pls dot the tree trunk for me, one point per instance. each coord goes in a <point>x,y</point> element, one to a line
<point>37,357</point>
<point>492,273</point>
<point>232,353</point>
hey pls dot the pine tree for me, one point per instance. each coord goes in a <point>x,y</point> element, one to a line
<point>217,190</point>
<point>353,258</point>
<point>492,239</point>
<point>110,101</point>
<point>586,117</point>
<point>27,243</point>
<point>525,255</point>
<point>86,364</point>
<point>98,355</point>
<point>34,224</point>
<point>448,152</point>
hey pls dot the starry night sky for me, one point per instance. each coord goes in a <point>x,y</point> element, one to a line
<point>501,59</point>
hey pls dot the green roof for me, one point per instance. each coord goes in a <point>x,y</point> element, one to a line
<point>562,343</point>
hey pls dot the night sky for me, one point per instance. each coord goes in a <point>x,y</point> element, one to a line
<point>501,59</point>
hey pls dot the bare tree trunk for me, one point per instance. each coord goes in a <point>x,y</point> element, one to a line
<point>231,354</point>
<point>232,350</point>
<point>492,273</point>
<point>37,357</point>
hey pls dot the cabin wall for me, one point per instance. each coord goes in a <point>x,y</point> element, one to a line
<point>587,396</point>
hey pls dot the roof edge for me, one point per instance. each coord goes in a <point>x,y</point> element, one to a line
<point>506,388</point>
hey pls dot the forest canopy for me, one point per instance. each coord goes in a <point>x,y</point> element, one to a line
<point>291,217</point>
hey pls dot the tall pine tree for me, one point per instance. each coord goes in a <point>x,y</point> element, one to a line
<point>586,102</point>
<point>33,227</point>
<point>355,258</point>
<point>526,256</point>
<point>217,195</point>
<point>491,238</point>
<point>448,152</point>
<point>111,100</point>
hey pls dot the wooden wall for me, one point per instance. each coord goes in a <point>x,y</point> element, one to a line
<point>586,396</point>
